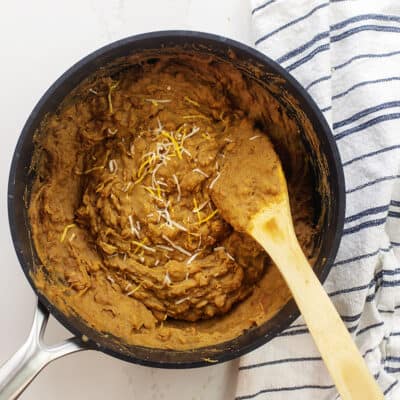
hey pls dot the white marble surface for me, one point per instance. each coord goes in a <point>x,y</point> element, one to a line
<point>38,41</point>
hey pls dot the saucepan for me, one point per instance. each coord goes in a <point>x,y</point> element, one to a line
<point>19,371</point>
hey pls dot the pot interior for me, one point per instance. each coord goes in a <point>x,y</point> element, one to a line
<point>312,135</point>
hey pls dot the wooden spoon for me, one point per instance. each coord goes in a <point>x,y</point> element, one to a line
<point>251,194</point>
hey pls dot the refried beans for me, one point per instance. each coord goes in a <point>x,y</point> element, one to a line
<point>121,210</point>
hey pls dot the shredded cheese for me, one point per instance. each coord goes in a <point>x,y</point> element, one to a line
<point>133,228</point>
<point>210,360</point>
<point>126,188</point>
<point>254,137</point>
<point>110,90</point>
<point>160,127</point>
<point>186,151</point>
<point>196,116</point>
<point>156,101</point>
<point>113,166</point>
<point>143,246</point>
<point>196,209</point>
<point>192,258</point>
<point>66,229</point>
<point>201,206</point>
<point>219,248</point>
<point>178,187</point>
<point>150,190</point>
<point>72,237</point>
<point>135,290</point>
<point>179,226</point>
<point>142,166</point>
<point>114,132</point>
<point>92,169</point>
<point>176,246</point>
<point>180,301</point>
<point>214,180</point>
<point>174,142</point>
<point>167,279</point>
<point>189,100</point>
<point>93,91</point>
<point>162,247</point>
<point>110,279</point>
<point>208,217</point>
<point>199,171</point>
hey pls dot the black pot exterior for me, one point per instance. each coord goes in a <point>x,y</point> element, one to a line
<point>20,181</point>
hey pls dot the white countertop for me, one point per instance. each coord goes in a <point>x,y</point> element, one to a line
<point>39,40</point>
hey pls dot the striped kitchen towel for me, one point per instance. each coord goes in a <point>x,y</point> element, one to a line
<point>346,53</point>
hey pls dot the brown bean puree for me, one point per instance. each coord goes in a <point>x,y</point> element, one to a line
<point>121,214</point>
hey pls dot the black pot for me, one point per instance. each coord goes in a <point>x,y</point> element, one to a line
<point>328,174</point>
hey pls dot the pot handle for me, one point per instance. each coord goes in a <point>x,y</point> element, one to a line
<point>20,370</point>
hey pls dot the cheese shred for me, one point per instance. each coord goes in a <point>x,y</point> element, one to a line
<point>65,231</point>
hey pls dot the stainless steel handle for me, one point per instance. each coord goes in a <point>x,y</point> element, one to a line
<point>19,371</point>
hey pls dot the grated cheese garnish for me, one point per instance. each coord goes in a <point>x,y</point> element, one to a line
<point>178,187</point>
<point>128,286</point>
<point>229,140</point>
<point>160,127</point>
<point>196,116</point>
<point>229,256</point>
<point>201,206</point>
<point>179,226</point>
<point>113,166</point>
<point>167,279</point>
<point>126,188</point>
<point>162,247</point>
<point>92,169</point>
<point>214,180</point>
<point>219,248</point>
<point>112,132</point>
<point>174,142</point>
<point>192,258</point>
<point>66,229</point>
<point>199,171</point>
<point>135,290</point>
<point>72,237</point>
<point>254,137</point>
<point>143,246</point>
<point>133,228</point>
<point>189,100</point>
<point>186,151</point>
<point>180,301</point>
<point>208,217</point>
<point>156,101</point>
<point>110,279</point>
<point>93,91</point>
<point>157,262</point>
<point>196,209</point>
<point>109,99</point>
<point>176,246</point>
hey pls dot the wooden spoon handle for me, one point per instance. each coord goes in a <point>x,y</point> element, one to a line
<point>340,354</point>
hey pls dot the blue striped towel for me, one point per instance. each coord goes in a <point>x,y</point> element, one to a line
<point>347,55</point>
